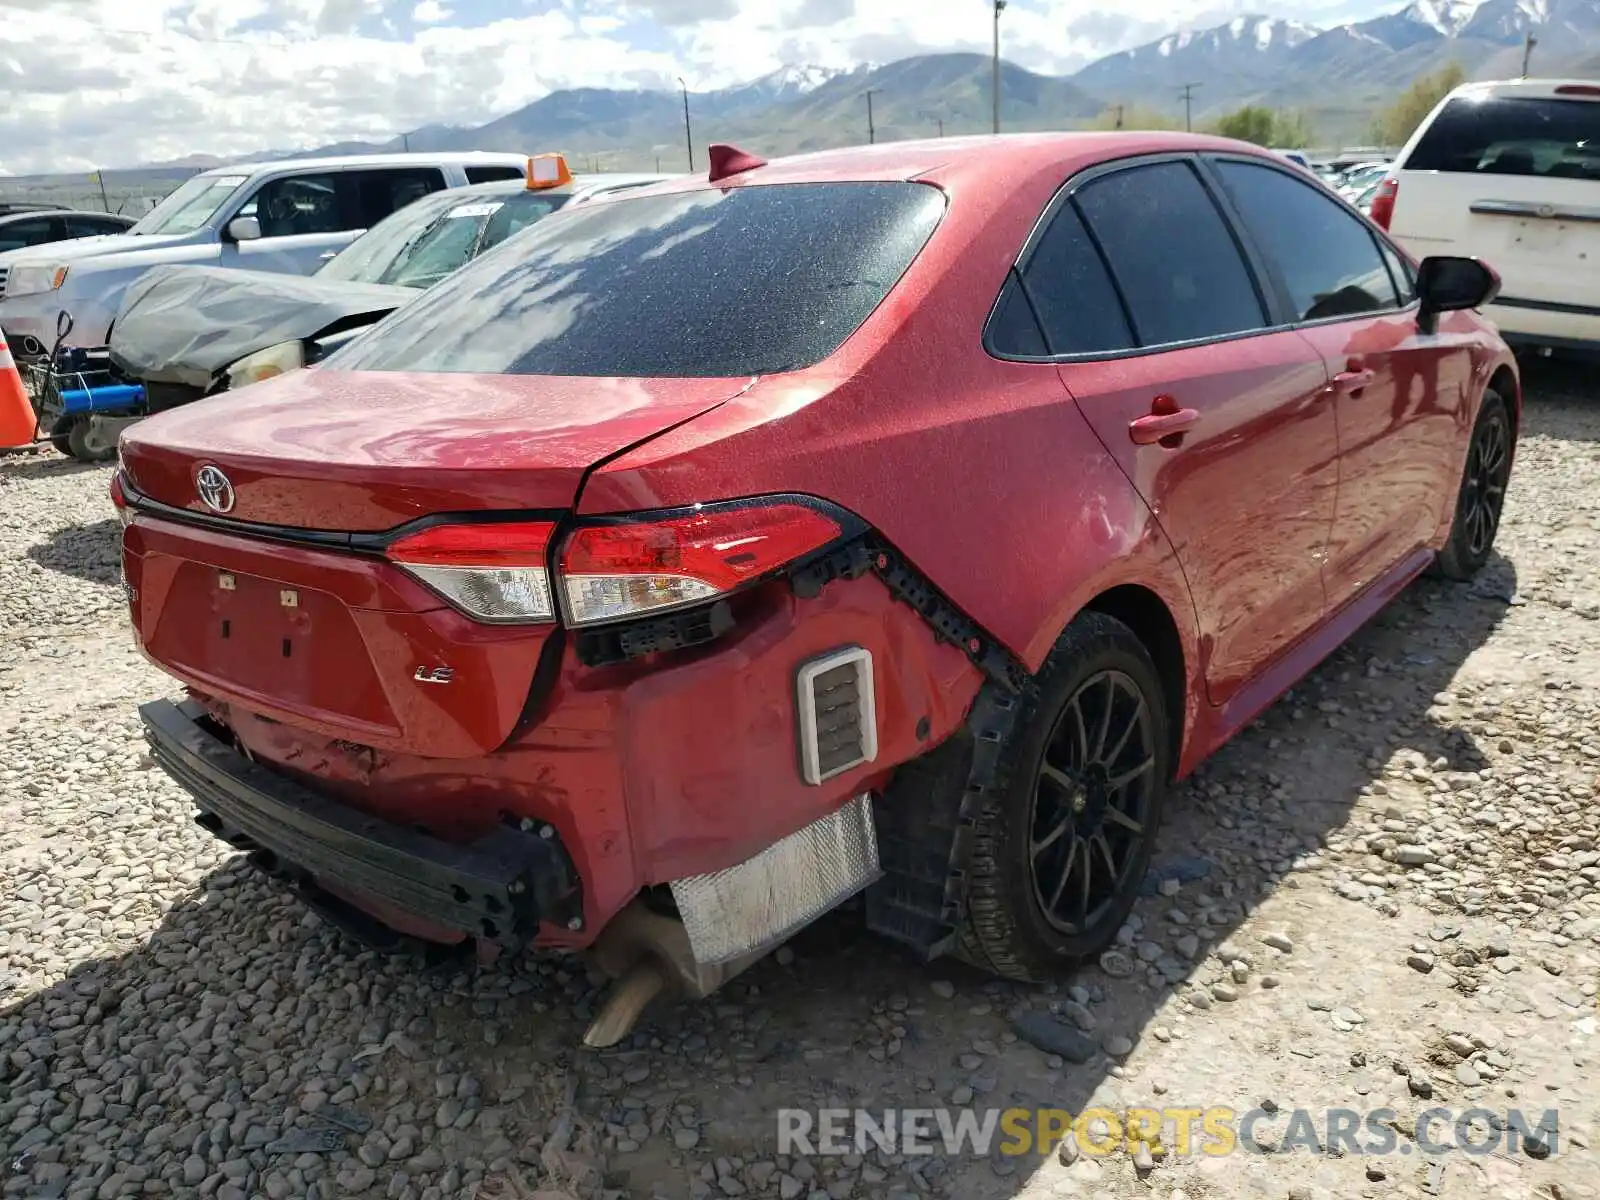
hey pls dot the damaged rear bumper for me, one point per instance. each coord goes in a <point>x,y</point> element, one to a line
<point>499,888</point>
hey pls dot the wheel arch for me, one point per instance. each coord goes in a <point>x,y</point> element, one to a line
<point>1143,611</point>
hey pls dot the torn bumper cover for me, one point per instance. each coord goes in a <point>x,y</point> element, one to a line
<point>498,888</point>
<point>186,324</point>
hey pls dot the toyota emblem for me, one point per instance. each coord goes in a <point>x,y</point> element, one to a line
<point>215,488</point>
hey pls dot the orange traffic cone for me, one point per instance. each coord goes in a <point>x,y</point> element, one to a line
<point>18,427</point>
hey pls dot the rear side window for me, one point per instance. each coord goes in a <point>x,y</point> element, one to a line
<point>1327,258</point>
<point>712,282</point>
<point>1177,264</point>
<point>1066,280</point>
<point>491,174</point>
<point>1513,135</point>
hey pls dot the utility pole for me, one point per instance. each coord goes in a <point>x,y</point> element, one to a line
<point>872,133</point>
<point>1118,107</point>
<point>1528,43</point>
<point>405,140</point>
<point>1188,105</point>
<point>939,121</point>
<point>688,137</point>
<point>999,7</point>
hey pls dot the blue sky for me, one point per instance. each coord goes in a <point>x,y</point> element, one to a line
<point>120,82</point>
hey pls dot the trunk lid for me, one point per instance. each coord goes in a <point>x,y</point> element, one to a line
<point>361,452</point>
<point>341,642</point>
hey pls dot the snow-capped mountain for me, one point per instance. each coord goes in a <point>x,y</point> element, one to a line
<point>1255,59</point>
<point>1245,49</point>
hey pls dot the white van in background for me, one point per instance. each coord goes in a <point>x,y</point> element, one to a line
<point>1510,173</point>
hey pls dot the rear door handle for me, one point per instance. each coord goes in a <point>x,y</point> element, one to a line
<point>1349,382</point>
<point>1153,427</point>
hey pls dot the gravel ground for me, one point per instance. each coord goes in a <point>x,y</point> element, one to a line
<point>1384,895</point>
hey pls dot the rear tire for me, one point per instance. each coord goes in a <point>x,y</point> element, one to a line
<point>1482,493</point>
<point>1062,846</point>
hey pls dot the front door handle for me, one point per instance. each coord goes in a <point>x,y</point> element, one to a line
<point>1348,383</point>
<point>327,254</point>
<point>1158,426</point>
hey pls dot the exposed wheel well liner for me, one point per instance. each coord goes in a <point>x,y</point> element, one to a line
<point>1144,612</point>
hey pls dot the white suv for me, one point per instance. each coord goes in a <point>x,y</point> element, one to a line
<point>1510,173</point>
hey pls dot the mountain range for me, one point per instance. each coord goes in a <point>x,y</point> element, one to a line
<point>1339,77</point>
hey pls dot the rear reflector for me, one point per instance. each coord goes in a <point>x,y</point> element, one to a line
<point>615,571</point>
<point>492,572</point>
<point>1382,210</point>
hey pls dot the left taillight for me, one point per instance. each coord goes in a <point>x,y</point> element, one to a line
<point>494,572</point>
<point>119,500</point>
<point>633,567</point>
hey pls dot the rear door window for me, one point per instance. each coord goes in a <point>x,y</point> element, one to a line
<point>1173,256</point>
<point>372,195</point>
<point>1513,135</point>
<point>711,282</point>
<point>1327,258</point>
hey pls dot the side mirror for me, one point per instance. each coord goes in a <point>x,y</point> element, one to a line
<point>1449,284</point>
<point>244,229</point>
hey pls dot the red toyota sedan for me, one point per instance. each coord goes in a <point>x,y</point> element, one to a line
<point>903,519</point>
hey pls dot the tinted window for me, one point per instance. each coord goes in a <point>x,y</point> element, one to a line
<point>90,226</point>
<point>1012,329</point>
<point>490,174</point>
<point>1328,259</point>
<point>32,232</point>
<point>1173,257</point>
<point>297,205</point>
<point>1513,135</point>
<point>1071,291</point>
<point>743,281</point>
<point>376,194</point>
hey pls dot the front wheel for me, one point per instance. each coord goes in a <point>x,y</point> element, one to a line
<point>1482,494</point>
<point>1063,845</point>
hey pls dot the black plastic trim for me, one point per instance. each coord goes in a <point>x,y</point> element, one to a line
<point>498,888</point>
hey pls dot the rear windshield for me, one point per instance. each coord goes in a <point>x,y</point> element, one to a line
<point>742,281</point>
<point>1513,135</point>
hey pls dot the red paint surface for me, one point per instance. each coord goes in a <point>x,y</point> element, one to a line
<point>1283,517</point>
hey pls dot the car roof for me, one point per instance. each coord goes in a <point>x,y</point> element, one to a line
<point>1547,88</point>
<point>465,158</point>
<point>36,213</point>
<point>998,158</point>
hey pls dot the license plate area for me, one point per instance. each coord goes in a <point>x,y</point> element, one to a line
<point>297,645</point>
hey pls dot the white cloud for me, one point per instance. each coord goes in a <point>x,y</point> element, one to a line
<point>121,82</point>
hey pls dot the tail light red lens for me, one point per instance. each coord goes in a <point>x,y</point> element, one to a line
<point>119,500</point>
<point>1382,211</point>
<point>615,571</point>
<point>493,572</point>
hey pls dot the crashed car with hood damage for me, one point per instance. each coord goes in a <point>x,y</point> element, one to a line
<point>186,332</point>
